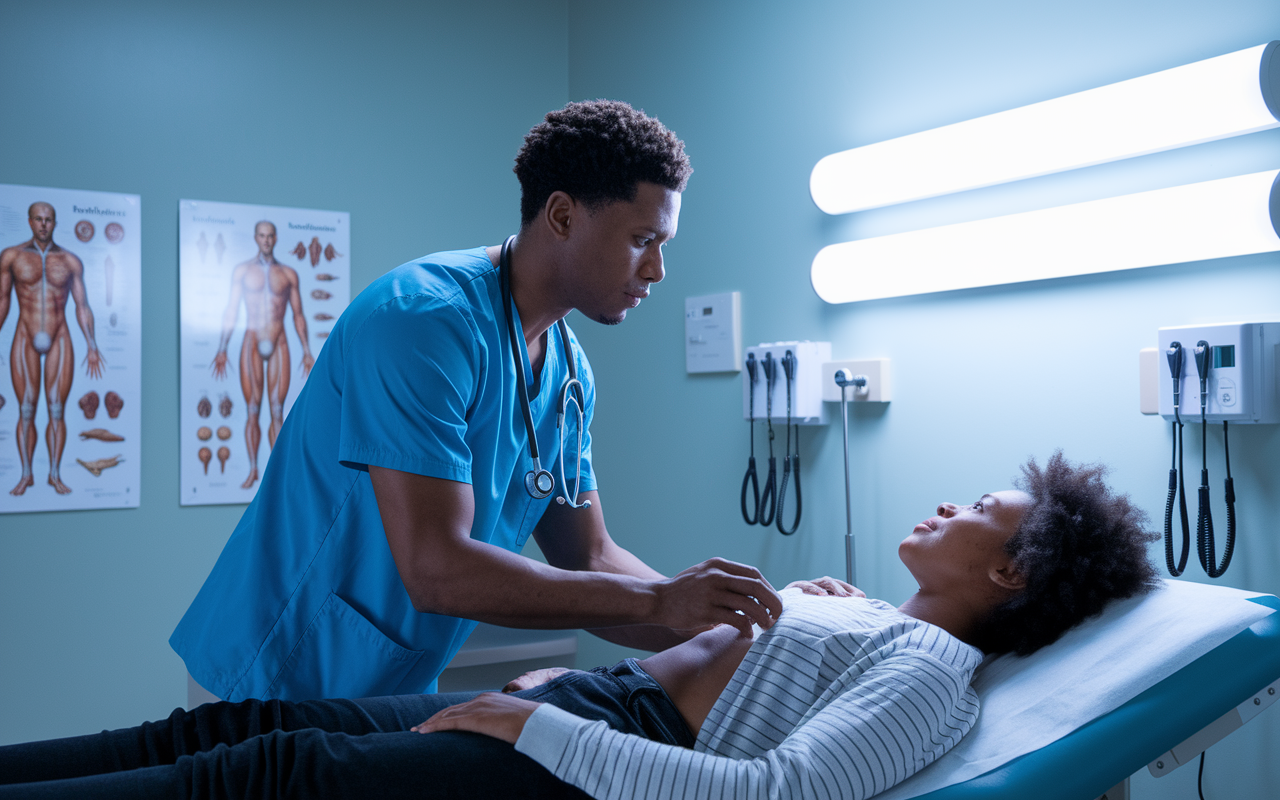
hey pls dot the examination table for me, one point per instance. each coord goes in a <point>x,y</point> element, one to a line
<point>1162,727</point>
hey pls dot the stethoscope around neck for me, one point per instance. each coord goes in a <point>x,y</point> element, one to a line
<point>539,482</point>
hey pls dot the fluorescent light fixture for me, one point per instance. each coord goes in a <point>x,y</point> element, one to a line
<point>1217,98</point>
<point>1214,219</point>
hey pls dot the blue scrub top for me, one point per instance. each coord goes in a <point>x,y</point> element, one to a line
<point>417,375</point>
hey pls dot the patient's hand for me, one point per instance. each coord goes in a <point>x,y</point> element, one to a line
<point>534,678</point>
<point>498,715</point>
<point>827,587</point>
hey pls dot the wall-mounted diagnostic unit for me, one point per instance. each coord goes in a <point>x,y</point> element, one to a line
<point>806,383</point>
<point>1241,380</point>
<point>1203,375</point>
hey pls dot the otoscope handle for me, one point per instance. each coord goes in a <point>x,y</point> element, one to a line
<point>750,478</point>
<point>787,463</point>
<point>768,500</point>
<point>1174,569</point>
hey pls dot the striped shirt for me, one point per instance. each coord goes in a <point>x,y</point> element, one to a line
<point>841,698</point>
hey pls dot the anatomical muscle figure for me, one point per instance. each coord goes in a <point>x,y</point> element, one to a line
<point>268,288</point>
<point>43,275</point>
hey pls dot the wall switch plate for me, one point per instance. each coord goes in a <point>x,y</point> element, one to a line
<point>877,372</point>
<point>713,333</point>
<point>1149,380</point>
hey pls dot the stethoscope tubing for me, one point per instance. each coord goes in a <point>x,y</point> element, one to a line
<point>539,482</point>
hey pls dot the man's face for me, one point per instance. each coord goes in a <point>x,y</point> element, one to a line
<point>616,252</point>
<point>42,221</point>
<point>264,233</point>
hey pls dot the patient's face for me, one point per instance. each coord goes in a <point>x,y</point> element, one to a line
<point>959,545</point>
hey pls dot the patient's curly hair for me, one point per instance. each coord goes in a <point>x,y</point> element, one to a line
<point>596,152</point>
<point>1079,547</point>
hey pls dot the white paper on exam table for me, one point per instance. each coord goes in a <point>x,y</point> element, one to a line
<point>1028,703</point>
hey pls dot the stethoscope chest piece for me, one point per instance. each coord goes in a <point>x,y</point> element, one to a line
<point>539,483</point>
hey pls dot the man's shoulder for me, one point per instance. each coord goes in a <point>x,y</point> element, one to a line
<point>427,295</point>
<point>454,277</point>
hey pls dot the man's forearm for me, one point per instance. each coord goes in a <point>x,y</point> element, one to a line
<point>653,638</point>
<point>644,636</point>
<point>489,584</point>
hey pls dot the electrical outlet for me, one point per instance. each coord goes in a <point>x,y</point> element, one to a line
<point>875,369</point>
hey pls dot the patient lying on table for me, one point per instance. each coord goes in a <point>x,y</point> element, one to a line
<point>841,697</point>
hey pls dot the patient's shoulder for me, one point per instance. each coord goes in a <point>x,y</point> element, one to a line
<point>929,639</point>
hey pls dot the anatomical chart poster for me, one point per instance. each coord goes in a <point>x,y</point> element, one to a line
<point>261,287</point>
<point>70,349</point>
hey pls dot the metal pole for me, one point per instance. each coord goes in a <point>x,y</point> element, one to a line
<point>844,379</point>
<point>849,565</point>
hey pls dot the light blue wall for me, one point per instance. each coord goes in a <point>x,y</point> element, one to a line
<point>407,115</point>
<point>982,378</point>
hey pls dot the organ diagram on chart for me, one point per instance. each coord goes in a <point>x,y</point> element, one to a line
<point>70,349</point>
<point>261,287</point>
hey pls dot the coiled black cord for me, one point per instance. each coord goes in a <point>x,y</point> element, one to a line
<point>1175,355</point>
<point>750,478</point>
<point>1204,353</point>
<point>789,366</point>
<point>1175,483</point>
<point>1208,557</point>
<point>768,500</point>
<point>1204,519</point>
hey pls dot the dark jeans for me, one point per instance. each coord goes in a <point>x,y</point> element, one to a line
<point>330,748</point>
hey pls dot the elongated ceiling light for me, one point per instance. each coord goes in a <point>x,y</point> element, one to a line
<point>1214,219</point>
<point>1217,98</point>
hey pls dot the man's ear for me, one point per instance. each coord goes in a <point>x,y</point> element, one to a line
<point>1007,577</point>
<point>558,213</point>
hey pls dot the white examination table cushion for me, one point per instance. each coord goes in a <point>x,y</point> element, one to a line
<point>1028,703</point>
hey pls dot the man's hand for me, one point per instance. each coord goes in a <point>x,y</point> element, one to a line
<point>534,678</point>
<point>219,365</point>
<point>827,587</point>
<point>501,716</point>
<point>717,592</point>
<point>307,363</point>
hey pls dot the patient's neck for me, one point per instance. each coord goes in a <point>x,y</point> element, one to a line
<point>954,615</point>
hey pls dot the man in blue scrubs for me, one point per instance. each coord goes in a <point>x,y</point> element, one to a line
<point>394,505</point>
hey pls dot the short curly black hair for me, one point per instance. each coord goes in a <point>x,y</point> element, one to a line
<point>1079,547</point>
<point>596,152</point>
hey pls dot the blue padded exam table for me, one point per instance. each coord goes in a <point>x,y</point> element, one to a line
<point>1088,762</point>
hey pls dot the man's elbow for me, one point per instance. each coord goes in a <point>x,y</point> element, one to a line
<point>430,595</point>
<point>424,600</point>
